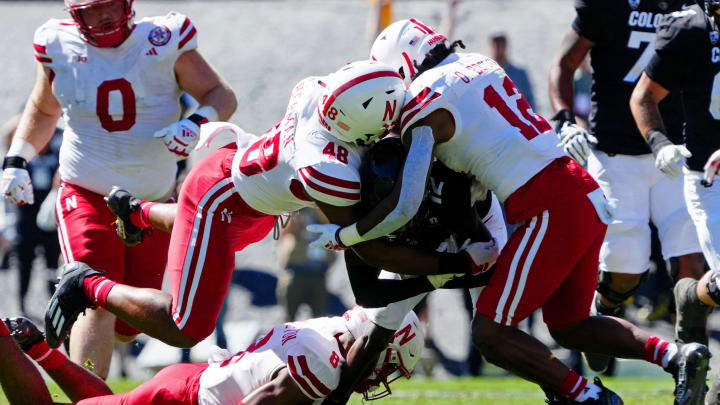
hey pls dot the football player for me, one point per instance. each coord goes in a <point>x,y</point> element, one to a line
<point>620,38</point>
<point>465,111</point>
<point>231,198</point>
<point>117,84</point>
<point>295,363</point>
<point>687,59</point>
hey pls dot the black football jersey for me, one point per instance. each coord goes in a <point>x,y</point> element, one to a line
<point>623,33</point>
<point>445,211</point>
<point>687,58</point>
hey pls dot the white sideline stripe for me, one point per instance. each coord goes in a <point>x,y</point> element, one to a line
<point>193,238</point>
<point>62,231</point>
<point>528,263</point>
<point>511,274</point>
<point>201,257</point>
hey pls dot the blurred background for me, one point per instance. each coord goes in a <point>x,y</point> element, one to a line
<point>263,48</point>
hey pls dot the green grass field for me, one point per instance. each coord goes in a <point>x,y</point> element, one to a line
<point>480,391</point>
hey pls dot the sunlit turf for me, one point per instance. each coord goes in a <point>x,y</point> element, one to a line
<point>476,391</point>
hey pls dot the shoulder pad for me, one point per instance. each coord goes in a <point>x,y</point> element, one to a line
<point>313,364</point>
<point>46,41</point>
<point>174,30</point>
<point>420,101</point>
<point>332,182</point>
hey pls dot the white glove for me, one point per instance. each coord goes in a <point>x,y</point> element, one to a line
<point>577,142</point>
<point>328,239</point>
<point>670,159</point>
<point>605,211</point>
<point>180,137</point>
<point>439,280</point>
<point>711,168</point>
<point>16,186</point>
<point>482,255</point>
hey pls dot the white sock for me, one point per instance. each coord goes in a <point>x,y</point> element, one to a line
<point>591,391</point>
<point>669,353</point>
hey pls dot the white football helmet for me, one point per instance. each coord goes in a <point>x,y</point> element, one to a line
<point>403,45</point>
<point>398,360</point>
<point>105,35</point>
<point>361,102</point>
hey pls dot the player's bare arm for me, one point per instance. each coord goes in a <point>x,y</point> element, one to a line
<point>40,116</point>
<point>196,76</point>
<point>573,50</point>
<point>281,390</point>
<point>644,105</point>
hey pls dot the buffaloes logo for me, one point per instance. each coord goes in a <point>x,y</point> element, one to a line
<point>159,35</point>
<point>634,3</point>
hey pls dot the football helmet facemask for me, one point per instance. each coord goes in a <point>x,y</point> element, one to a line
<point>397,361</point>
<point>404,44</point>
<point>361,102</point>
<point>106,35</point>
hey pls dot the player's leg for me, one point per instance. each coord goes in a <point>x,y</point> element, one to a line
<point>86,235</point>
<point>20,380</point>
<point>681,248</point>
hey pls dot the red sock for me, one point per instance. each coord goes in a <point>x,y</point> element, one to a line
<point>573,385</point>
<point>46,357</point>
<point>655,350</point>
<point>97,288</point>
<point>140,217</point>
<point>4,331</point>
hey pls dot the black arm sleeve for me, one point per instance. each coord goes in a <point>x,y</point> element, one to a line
<point>371,292</point>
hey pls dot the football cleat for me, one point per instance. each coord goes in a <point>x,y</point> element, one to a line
<point>25,333</point>
<point>689,367</point>
<point>122,204</point>
<point>606,396</point>
<point>67,303</point>
<point>553,398</point>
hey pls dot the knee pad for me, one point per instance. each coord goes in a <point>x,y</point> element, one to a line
<point>617,298</point>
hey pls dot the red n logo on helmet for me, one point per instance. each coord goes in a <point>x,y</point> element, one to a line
<point>389,110</point>
<point>405,333</point>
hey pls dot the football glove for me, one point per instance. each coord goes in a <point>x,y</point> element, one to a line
<point>16,185</point>
<point>576,141</point>
<point>181,137</point>
<point>670,159</point>
<point>711,169</point>
<point>482,256</point>
<point>329,236</point>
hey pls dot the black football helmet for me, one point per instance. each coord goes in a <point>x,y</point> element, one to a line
<point>380,168</point>
<point>711,7</point>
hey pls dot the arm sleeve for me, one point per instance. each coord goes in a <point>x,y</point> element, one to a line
<point>372,292</point>
<point>414,179</point>
<point>670,66</point>
<point>331,182</point>
<point>587,22</point>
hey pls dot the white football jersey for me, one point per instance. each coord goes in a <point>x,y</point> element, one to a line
<point>498,138</point>
<point>308,349</point>
<point>113,101</point>
<point>296,154</point>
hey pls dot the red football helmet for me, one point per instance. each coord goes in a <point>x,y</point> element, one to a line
<point>397,361</point>
<point>105,35</point>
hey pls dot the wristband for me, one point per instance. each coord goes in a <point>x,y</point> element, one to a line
<point>203,115</point>
<point>561,117</point>
<point>22,148</point>
<point>16,162</point>
<point>454,263</point>
<point>657,140</point>
<point>349,235</point>
<point>4,331</point>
